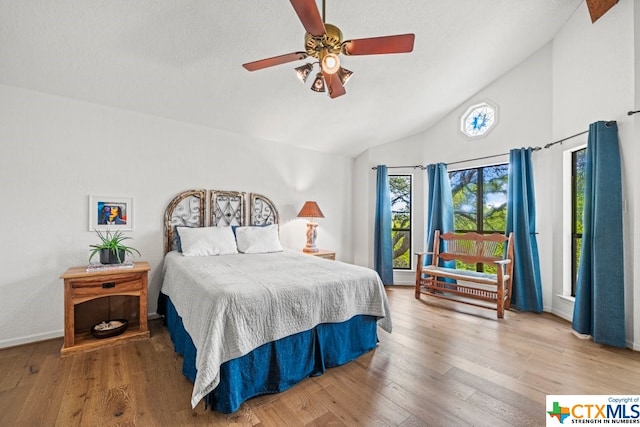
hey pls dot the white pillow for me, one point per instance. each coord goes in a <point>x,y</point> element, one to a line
<point>258,240</point>
<point>207,241</point>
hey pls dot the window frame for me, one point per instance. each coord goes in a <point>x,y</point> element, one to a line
<point>407,231</point>
<point>480,197</point>
<point>490,111</point>
<point>575,236</point>
<point>568,223</point>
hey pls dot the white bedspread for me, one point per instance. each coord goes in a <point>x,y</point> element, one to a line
<point>232,304</point>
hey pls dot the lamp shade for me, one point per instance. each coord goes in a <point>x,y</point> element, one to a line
<point>303,72</point>
<point>344,75</point>
<point>310,210</point>
<point>318,83</point>
<point>330,63</point>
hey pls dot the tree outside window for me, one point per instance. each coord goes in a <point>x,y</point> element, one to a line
<point>480,203</point>
<point>577,208</point>
<point>400,192</point>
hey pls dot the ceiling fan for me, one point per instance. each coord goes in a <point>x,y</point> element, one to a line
<point>324,42</point>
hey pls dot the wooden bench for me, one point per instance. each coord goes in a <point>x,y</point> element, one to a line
<point>466,286</point>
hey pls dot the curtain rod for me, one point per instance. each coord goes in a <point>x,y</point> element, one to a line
<point>560,141</point>
<point>485,157</point>
<point>607,124</point>
<point>403,167</point>
<point>551,144</point>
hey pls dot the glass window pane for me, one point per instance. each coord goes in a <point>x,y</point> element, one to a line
<point>495,198</point>
<point>579,165</point>
<point>400,193</point>
<point>401,249</point>
<point>488,185</point>
<point>464,189</point>
<point>478,119</point>
<point>577,203</point>
<point>576,260</point>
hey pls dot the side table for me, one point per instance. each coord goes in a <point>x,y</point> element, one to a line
<point>323,253</point>
<point>81,286</point>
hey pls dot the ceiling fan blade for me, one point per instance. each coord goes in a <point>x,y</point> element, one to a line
<point>309,16</point>
<point>276,60</point>
<point>400,43</point>
<point>334,85</point>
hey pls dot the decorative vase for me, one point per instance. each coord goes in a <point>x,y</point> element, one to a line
<point>109,256</point>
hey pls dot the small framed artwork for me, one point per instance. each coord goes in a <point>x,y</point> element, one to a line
<point>110,213</point>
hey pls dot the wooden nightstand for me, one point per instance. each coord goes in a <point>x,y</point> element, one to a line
<point>82,286</point>
<point>323,254</point>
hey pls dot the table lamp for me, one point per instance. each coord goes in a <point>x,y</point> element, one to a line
<point>311,210</point>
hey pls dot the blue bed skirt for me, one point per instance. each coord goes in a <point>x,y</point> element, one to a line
<point>278,365</point>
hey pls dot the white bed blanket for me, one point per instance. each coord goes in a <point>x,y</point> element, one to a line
<point>232,304</point>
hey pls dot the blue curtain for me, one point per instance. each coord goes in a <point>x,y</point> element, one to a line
<point>599,306</point>
<point>526,288</point>
<point>383,256</point>
<point>439,204</point>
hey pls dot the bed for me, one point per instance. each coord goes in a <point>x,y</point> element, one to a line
<point>263,318</point>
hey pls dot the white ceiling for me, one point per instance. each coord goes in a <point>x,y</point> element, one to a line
<point>181,59</point>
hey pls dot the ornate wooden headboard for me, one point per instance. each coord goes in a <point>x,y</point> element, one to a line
<point>214,208</point>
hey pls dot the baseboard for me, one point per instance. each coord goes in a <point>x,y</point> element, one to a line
<point>628,343</point>
<point>153,316</point>
<point>13,342</point>
<point>562,314</point>
<point>581,336</point>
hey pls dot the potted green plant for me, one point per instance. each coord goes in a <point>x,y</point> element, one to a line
<point>111,247</point>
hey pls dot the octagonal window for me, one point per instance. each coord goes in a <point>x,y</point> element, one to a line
<point>478,120</point>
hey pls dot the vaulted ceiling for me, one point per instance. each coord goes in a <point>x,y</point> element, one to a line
<point>182,60</point>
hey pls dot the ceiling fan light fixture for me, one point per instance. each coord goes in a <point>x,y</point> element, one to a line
<point>318,83</point>
<point>325,43</point>
<point>344,75</point>
<point>303,72</point>
<point>330,63</point>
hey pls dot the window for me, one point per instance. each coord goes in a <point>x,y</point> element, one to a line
<point>480,202</point>
<point>577,207</point>
<point>400,192</point>
<point>478,120</point>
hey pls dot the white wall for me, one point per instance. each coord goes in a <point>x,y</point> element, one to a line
<point>589,72</point>
<point>632,188</point>
<point>594,78</point>
<point>55,152</point>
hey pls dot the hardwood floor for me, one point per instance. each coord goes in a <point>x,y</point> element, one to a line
<point>444,364</point>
